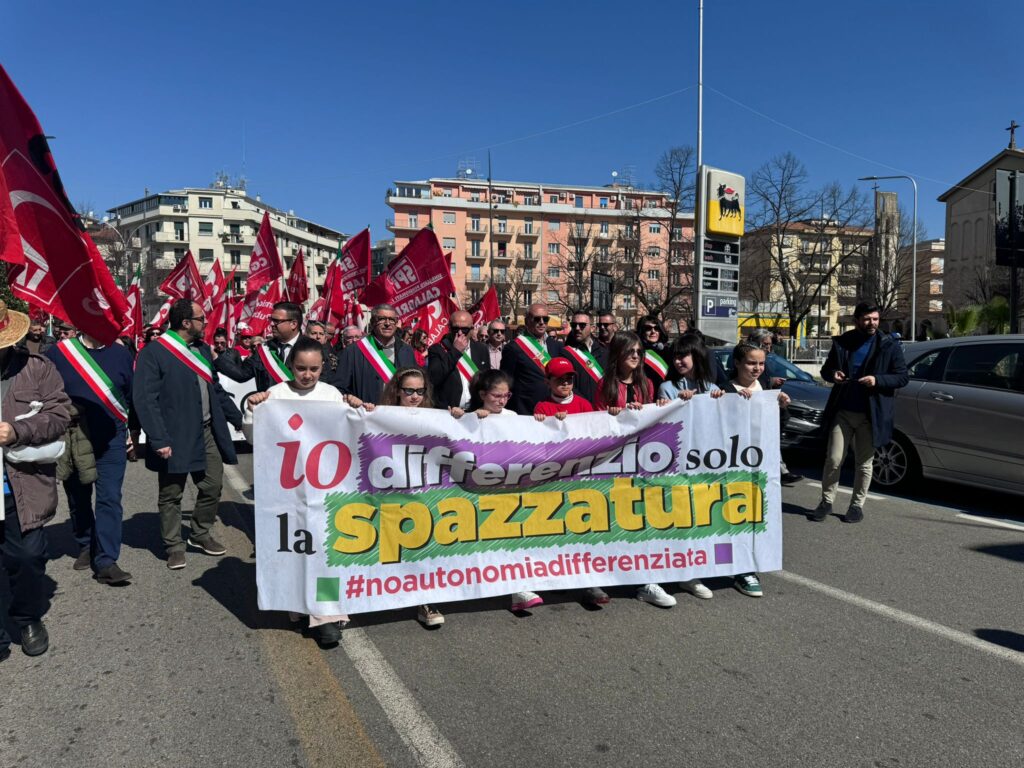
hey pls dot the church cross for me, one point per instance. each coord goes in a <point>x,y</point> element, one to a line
<point>1013,129</point>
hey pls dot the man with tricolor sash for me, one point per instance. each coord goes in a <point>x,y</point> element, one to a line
<point>365,366</point>
<point>268,363</point>
<point>185,414</point>
<point>453,361</point>
<point>98,379</point>
<point>588,358</point>
<point>524,360</point>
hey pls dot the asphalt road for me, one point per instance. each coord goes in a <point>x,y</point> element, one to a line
<point>896,642</point>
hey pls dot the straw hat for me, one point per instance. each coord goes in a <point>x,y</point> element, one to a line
<point>13,326</point>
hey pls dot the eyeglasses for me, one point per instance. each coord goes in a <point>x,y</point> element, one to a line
<point>578,325</point>
<point>605,325</point>
<point>539,318</point>
<point>386,320</point>
<point>353,338</point>
<point>279,320</point>
<point>199,319</point>
<point>459,329</point>
<point>506,396</point>
<point>496,331</point>
<point>634,353</point>
<point>569,378</point>
<point>410,391</point>
<point>649,328</point>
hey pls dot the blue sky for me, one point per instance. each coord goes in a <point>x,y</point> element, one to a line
<point>330,102</point>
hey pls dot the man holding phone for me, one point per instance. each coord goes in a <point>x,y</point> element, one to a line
<point>453,361</point>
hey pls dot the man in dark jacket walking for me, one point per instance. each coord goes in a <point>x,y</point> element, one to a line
<point>365,366</point>
<point>268,360</point>
<point>867,367</point>
<point>524,359</point>
<point>452,362</point>
<point>185,414</point>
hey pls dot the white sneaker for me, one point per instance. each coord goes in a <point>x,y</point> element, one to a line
<point>523,601</point>
<point>696,588</point>
<point>429,617</point>
<point>596,596</point>
<point>655,595</point>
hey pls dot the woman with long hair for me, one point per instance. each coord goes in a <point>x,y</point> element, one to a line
<point>689,372</point>
<point>655,341</point>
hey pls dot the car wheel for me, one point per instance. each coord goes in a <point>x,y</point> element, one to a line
<point>896,464</point>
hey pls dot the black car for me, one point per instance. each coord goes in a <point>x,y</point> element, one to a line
<point>803,428</point>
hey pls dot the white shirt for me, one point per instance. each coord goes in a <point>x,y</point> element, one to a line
<point>755,387</point>
<point>285,391</point>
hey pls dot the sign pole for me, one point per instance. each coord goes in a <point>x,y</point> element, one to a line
<point>698,244</point>
<point>1014,234</point>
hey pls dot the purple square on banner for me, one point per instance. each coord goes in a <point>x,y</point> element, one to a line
<point>723,553</point>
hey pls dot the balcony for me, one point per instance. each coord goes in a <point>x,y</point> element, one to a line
<point>627,234</point>
<point>409,226</point>
<point>502,258</point>
<point>166,237</point>
<point>475,230</point>
<point>527,260</point>
<point>530,280</point>
<point>503,232</point>
<point>476,281</point>
<point>476,258</point>
<point>529,234</point>
<point>605,236</point>
<point>229,238</point>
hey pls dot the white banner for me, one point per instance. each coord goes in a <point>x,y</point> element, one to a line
<point>360,512</point>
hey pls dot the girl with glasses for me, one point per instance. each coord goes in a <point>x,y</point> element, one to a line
<point>490,392</point>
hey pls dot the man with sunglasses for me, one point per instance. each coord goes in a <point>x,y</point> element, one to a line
<point>525,358</point>
<point>588,358</point>
<point>606,328</point>
<point>267,363</point>
<point>453,361</point>
<point>497,335</point>
<point>365,366</point>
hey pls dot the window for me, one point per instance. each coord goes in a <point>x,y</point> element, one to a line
<point>206,254</point>
<point>627,302</point>
<point>677,278</point>
<point>448,244</point>
<point>446,192</point>
<point>236,258</point>
<point>553,199</point>
<point>449,217</point>
<point>528,227</point>
<point>654,229</point>
<point>677,233</point>
<point>579,201</point>
<point>527,298</point>
<point>553,249</point>
<point>553,225</point>
<point>552,297</point>
<point>501,274</point>
<point>629,232</point>
<point>653,252</point>
<point>502,224</point>
<point>604,227</point>
<point>474,248</point>
<point>579,229</point>
<point>414,221</point>
<point>474,272</point>
<point>925,367</point>
<point>206,202</point>
<point>179,254</point>
<point>602,202</point>
<point>654,274</point>
<point>999,366</point>
<point>474,197</point>
<point>205,228</point>
<point>179,230</point>
<point>554,272</point>
<point>677,255</point>
<point>603,252</point>
<point>527,250</point>
<point>474,223</point>
<point>452,265</point>
<point>527,275</point>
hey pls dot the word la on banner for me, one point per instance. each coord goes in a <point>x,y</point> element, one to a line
<point>361,512</point>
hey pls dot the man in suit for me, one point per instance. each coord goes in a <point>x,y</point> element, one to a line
<point>583,351</point>
<point>365,366</point>
<point>524,360</point>
<point>285,327</point>
<point>449,380</point>
<point>185,414</point>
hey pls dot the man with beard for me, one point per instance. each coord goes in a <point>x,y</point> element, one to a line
<point>525,359</point>
<point>268,364</point>
<point>365,366</point>
<point>588,358</point>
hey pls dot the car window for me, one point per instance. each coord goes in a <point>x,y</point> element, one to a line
<point>998,366</point>
<point>926,366</point>
<point>780,367</point>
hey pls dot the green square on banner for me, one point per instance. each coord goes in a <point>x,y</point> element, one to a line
<point>328,590</point>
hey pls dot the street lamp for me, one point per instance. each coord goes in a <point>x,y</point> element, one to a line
<point>913,258</point>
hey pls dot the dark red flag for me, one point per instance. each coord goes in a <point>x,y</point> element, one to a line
<point>265,263</point>
<point>354,261</point>
<point>297,288</point>
<point>417,276</point>
<point>184,282</point>
<point>487,309</point>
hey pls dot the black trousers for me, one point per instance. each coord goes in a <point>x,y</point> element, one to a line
<point>24,561</point>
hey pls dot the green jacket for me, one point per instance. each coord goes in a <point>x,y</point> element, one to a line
<point>78,457</point>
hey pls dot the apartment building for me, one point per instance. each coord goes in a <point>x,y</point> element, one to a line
<point>931,273</point>
<point>548,242</point>
<point>216,223</point>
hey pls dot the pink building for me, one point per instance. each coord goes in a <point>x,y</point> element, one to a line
<point>555,243</point>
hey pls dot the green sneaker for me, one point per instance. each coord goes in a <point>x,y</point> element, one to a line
<point>749,584</point>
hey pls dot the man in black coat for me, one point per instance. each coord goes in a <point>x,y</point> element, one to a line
<point>451,387</point>
<point>285,327</point>
<point>524,360</point>
<point>867,367</point>
<point>185,414</point>
<point>583,351</point>
<point>365,366</point>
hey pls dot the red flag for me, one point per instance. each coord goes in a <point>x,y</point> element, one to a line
<point>184,282</point>
<point>109,296</point>
<point>486,310</point>
<point>161,314</point>
<point>417,276</point>
<point>41,236</point>
<point>214,286</point>
<point>297,288</point>
<point>433,318</point>
<point>265,263</point>
<point>317,310</point>
<point>354,260</point>
<point>133,325</point>
<point>262,307</point>
<point>334,296</point>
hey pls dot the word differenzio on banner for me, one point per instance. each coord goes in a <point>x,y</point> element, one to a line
<point>360,512</point>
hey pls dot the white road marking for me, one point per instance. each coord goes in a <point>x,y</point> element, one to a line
<point>428,745</point>
<point>426,742</point>
<point>844,491</point>
<point>925,625</point>
<point>998,522</point>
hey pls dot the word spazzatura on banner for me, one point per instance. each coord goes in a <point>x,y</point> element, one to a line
<point>360,512</point>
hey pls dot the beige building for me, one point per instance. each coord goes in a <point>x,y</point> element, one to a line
<point>544,242</point>
<point>216,223</point>
<point>931,302</point>
<point>971,271</point>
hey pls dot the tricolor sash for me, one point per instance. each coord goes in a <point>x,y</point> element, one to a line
<point>467,368</point>
<point>656,362</point>
<point>272,363</point>
<point>534,350</point>
<point>384,367</point>
<point>187,356</point>
<point>587,361</point>
<point>95,377</point>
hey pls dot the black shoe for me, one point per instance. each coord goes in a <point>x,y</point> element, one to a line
<point>823,510</point>
<point>328,634</point>
<point>83,561</point>
<point>35,640</point>
<point>789,478</point>
<point>208,544</point>
<point>112,575</point>
<point>4,654</point>
<point>854,514</point>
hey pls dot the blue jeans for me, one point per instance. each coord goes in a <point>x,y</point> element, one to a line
<point>24,560</point>
<point>100,531</point>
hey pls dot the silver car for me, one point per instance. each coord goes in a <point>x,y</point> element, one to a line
<point>961,417</point>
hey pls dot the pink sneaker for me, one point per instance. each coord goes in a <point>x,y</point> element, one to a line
<point>523,601</point>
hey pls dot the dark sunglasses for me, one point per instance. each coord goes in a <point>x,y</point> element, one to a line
<point>458,329</point>
<point>541,318</point>
<point>605,325</point>
<point>276,320</point>
<point>496,331</point>
<point>410,391</point>
<point>649,328</point>
<point>578,325</point>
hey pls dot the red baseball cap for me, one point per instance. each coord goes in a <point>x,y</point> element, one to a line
<point>558,367</point>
